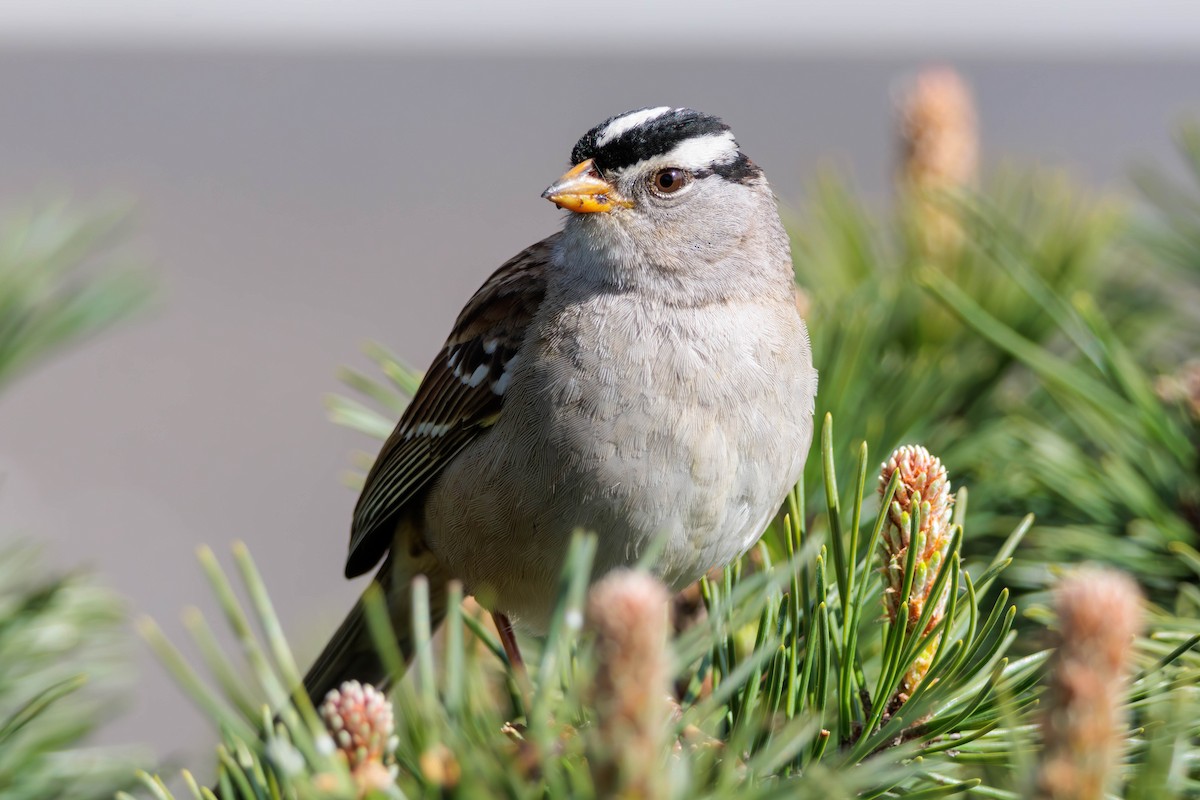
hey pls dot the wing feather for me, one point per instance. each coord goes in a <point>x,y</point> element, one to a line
<point>460,397</point>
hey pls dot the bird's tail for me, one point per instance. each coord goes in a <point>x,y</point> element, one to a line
<point>351,653</point>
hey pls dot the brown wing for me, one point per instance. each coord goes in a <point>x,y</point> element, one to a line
<point>462,394</point>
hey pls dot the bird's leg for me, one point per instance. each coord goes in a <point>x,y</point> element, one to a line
<point>508,638</point>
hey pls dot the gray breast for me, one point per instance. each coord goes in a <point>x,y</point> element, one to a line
<point>690,427</point>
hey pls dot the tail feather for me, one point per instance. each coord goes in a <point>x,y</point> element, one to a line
<point>351,653</point>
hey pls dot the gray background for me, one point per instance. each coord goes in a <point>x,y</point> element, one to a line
<point>295,204</point>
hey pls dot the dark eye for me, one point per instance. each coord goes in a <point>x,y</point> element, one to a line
<point>667,181</point>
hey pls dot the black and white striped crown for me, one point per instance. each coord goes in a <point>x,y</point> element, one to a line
<point>677,137</point>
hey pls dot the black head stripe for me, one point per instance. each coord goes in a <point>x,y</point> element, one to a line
<point>654,137</point>
<point>740,170</point>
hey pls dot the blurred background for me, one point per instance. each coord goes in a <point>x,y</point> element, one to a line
<point>301,178</point>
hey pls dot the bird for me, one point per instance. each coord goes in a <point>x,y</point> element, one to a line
<point>642,374</point>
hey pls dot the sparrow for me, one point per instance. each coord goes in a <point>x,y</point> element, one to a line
<point>642,374</point>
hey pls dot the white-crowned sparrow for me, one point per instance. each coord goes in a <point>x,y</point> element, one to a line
<point>642,373</point>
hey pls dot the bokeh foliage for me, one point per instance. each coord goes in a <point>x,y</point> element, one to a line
<point>1007,358</point>
<point>62,649</point>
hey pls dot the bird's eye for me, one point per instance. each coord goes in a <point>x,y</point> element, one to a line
<point>670,180</point>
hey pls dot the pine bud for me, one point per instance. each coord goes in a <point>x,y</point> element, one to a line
<point>360,720</point>
<point>1099,614</point>
<point>1182,388</point>
<point>939,144</point>
<point>628,613</point>
<point>923,486</point>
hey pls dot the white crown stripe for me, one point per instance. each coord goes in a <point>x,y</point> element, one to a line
<point>704,151</point>
<point>699,153</point>
<point>628,122</point>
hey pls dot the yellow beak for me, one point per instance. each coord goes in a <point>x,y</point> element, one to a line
<point>584,191</point>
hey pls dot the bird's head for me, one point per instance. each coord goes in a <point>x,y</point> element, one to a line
<point>663,188</point>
